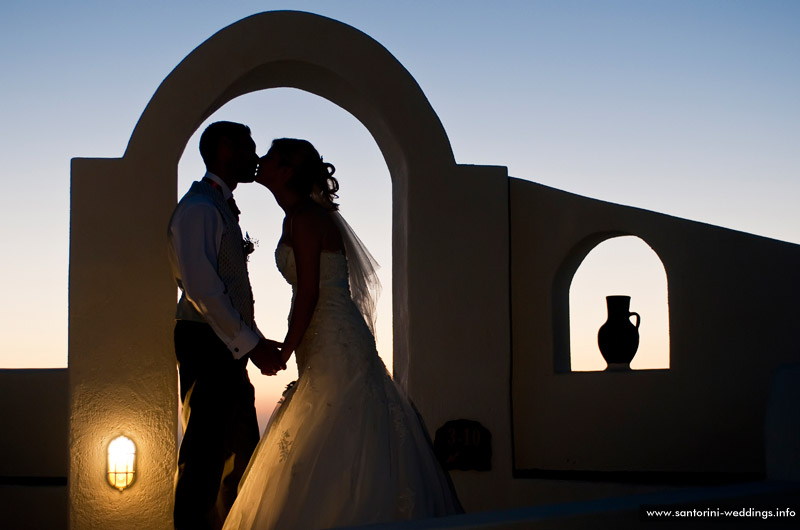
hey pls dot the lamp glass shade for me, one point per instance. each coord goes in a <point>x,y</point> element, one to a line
<point>121,459</point>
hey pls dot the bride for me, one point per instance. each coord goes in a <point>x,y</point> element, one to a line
<point>346,447</point>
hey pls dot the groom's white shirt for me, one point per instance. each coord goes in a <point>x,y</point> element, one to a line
<point>195,234</point>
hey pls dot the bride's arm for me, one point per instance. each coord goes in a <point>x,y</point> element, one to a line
<point>306,237</point>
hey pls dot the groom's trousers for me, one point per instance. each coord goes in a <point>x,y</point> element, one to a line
<point>222,429</point>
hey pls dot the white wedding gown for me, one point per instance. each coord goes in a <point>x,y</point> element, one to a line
<point>346,447</point>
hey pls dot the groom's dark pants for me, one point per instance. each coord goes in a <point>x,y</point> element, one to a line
<point>222,428</point>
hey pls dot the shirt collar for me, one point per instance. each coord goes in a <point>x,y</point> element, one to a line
<point>226,191</point>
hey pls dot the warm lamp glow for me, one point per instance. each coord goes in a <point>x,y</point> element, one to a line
<point>121,457</point>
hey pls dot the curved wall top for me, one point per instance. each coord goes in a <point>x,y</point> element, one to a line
<point>296,50</point>
<point>122,364</point>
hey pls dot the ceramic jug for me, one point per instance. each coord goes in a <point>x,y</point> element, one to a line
<point>618,338</point>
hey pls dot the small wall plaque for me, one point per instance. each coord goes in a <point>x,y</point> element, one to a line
<point>464,445</point>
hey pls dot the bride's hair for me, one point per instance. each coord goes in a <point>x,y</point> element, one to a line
<point>311,175</point>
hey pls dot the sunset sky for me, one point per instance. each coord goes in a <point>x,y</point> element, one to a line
<point>689,108</point>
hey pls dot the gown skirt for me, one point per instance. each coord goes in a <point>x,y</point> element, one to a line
<point>346,446</point>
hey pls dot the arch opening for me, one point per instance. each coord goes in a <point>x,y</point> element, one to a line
<point>622,265</point>
<point>270,51</point>
<point>364,197</point>
<point>286,49</point>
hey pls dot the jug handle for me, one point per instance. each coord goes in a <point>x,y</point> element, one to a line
<point>638,318</point>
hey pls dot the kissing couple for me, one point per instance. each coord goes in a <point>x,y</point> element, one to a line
<point>346,447</point>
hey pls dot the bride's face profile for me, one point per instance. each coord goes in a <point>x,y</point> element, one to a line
<point>270,174</point>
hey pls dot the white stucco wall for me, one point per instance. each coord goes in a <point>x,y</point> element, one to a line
<point>733,322</point>
<point>123,377</point>
<point>122,368</point>
<point>34,407</point>
<point>459,336</point>
<point>478,260</point>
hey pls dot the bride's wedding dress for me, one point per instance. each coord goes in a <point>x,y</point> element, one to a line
<point>346,447</point>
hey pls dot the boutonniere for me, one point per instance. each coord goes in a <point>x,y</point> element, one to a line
<point>248,245</point>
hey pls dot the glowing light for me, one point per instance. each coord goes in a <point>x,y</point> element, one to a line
<point>121,460</point>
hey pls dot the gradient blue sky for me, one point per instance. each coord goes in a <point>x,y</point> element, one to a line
<point>690,108</point>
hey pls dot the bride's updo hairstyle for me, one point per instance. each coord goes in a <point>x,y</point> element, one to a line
<point>310,176</point>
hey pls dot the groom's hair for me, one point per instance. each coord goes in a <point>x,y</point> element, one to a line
<point>213,135</point>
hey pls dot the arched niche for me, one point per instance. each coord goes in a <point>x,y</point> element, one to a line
<point>563,311</point>
<point>623,265</point>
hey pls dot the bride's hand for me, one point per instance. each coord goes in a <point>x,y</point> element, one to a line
<point>267,357</point>
<point>286,353</point>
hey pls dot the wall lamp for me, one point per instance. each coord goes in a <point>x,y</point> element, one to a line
<point>121,462</point>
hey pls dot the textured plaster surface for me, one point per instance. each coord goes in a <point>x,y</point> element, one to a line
<point>122,369</point>
<point>478,260</point>
<point>782,430</point>
<point>733,314</point>
<point>34,408</point>
<point>33,444</point>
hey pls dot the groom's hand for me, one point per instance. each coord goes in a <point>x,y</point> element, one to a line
<point>266,356</point>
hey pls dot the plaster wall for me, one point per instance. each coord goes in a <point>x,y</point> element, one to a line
<point>122,368</point>
<point>478,260</point>
<point>459,332</point>
<point>733,322</point>
<point>34,408</point>
<point>123,377</point>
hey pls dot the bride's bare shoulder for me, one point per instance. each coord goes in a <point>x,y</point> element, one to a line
<point>311,215</point>
<point>310,222</point>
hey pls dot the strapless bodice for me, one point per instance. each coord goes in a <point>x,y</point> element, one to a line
<point>332,270</point>
<point>337,323</point>
<point>345,441</point>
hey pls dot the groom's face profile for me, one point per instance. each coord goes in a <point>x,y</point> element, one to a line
<point>244,159</point>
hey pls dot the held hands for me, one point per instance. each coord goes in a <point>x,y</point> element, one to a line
<point>286,352</point>
<point>267,357</point>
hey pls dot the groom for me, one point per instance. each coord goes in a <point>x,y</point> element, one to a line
<point>215,332</point>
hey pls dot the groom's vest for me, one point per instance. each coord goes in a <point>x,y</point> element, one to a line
<point>231,260</point>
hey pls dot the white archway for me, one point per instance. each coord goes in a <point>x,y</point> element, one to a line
<point>122,367</point>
